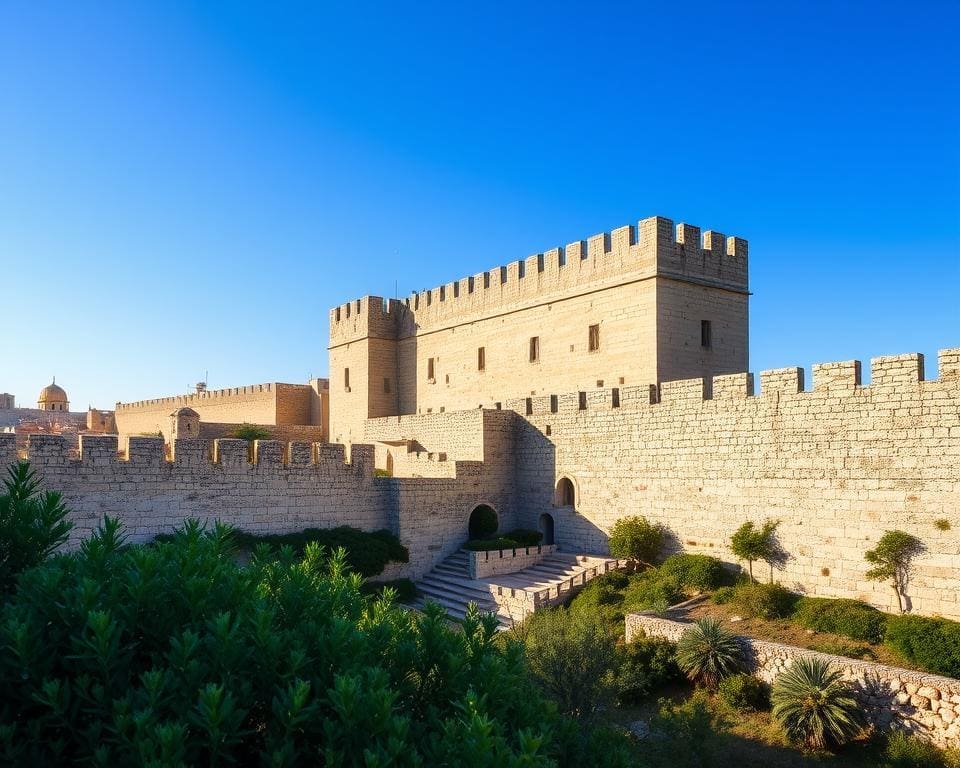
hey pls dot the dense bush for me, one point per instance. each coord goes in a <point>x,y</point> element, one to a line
<point>645,665</point>
<point>744,693</point>
<point>636,538</point>
<point>652,590</point>
<point>483,522</point>
<point>814,705</point>
<point>707,653</point>
<point>603,598</point>
<point>903,750</point>
<point>250,432</point>
<point>572,657</point>
<point>515,539</point>
<point>172,654</point>
<point>763,601</point>
<point>404,590</point>
<point>32,524</point>
<point>700,572</point>
<point>367,553</point>
<point>933,644</point>
<point>689,734</point>
<point>723,595</point>
<point>849,618</point>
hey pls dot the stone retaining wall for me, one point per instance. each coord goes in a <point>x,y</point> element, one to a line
<point>924,704</point>
<point>500,561</point>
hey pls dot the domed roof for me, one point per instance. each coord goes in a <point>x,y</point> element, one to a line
<point>52,394</point>
<point>185,411</point>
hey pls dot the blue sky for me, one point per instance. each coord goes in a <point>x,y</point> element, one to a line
<point>189,187</point>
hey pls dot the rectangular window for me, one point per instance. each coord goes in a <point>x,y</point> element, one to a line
<point>593,342</point>
<point>386,386</point>
<point>346,379</point>
<point>534,349</point>
<point>430,370</point>
<point>482,359</point>
<point>706,334</point>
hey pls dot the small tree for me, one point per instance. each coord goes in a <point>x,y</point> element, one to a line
<point>751,543</point>
<point>32,524</point>
<point>892,560</point>
<point>636,538</point>
<point>250,432</point>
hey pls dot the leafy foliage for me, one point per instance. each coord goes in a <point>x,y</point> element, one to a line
<point>850,650</point>
<point>849,618</point>
<point>250,432</point>
<point>603,598</point>
<point>691,733</point>
<point>172,654</point>
<point>366,553</point>
<point>700,572</point>
<point>483,522</point>
<point>572,657</point>
<point>764,601</point>
<point>723,595</point>
<point>707,653</point>
<point>636,538</point>
<point>751,544</point>
<point>515,539</point>
<point>744,693</point>
<point>32,524</point>
<point>652,590</point>
<point>402,590</point>
<point>903,750</point>
<point>645,665</point>
<point>933,644</point>
<point>892,560</point>
<point>815,706</point>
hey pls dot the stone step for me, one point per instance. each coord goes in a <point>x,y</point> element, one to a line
<point>453,590</point>
<point>463,583</point>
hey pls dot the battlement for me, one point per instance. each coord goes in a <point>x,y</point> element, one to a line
<point>201,398</point>
<point>368,316</point>
<point>890,375</point>
<point>652,248</point>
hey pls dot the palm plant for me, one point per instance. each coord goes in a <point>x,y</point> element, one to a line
<point>707,653</point>
<point>814,705</point>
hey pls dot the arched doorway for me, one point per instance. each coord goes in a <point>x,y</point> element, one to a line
<point>483,522</point>
<point>546,528</point>
<point>565,495</point>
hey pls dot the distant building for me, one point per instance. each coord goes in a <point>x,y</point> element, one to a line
<point>7,401</point>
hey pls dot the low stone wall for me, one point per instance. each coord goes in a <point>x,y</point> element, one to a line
<point>927,705</point>
<point>499,561</point>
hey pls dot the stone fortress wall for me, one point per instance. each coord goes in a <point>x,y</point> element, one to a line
<point>273,404</point>
<point>647,289</point>
<point>837,465</point>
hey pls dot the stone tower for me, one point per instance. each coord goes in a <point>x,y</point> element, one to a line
<point>184,422</point>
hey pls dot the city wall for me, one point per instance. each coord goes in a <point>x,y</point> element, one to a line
<point>275,404</point>
<point>837,465</point>
<point>891,697</point>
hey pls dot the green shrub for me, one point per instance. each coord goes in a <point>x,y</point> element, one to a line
<point>744,693</point>
<point>723,595</point>
<point>933,644</point>
<point>636,538</point>
<point>652,589</point>
<point>849,618</point>
<point>814,705</point>
<point>690,734</point>
<point>572,658</point>
<point>366,553</point>
<point>905,751</point>
<point>515,539</point>
<point>172,654</point>
<point>483,522</point>
<point>696,571</point>
<point>763,601</point>
<point>850,650</point>
<point>250,432</point>
<point>603,599</point>
<point>32,524</point>
<point>404,590</point>
<point>645,665</point>
<point>707,653</point>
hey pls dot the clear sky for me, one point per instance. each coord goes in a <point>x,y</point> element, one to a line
<point>189,187</point>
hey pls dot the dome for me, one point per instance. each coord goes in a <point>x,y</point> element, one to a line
<point>185,411</point>
<point>53,398</point>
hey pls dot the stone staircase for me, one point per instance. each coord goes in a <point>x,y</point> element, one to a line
<point>510,596</point>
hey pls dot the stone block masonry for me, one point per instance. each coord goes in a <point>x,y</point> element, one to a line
<point>837,465</point>
<point>926,705</point>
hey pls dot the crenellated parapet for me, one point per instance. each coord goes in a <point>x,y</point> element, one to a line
<point>652,248</point>
<point>201,398</point>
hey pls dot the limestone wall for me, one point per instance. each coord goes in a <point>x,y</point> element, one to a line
<point>838,465</point>
<point>500,561</point>
<point>924,704</point>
